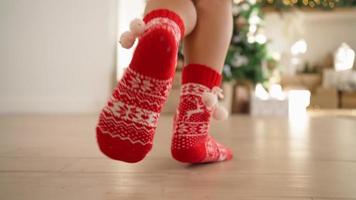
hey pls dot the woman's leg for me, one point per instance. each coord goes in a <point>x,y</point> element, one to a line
<point>205,51</point>
<point>128,122</point>
<point>184,8</point>
<point>209,42</point>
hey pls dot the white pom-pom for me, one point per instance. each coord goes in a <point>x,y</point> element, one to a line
<point>209,99</point>
<point>127,39</point>
<point>137,27</point>
<point>220,113</point>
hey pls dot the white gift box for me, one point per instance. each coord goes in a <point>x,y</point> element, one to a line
<point>291,103</point>
<point>341,80</point>
<point>269,107</point>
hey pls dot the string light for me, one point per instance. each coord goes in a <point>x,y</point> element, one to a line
<point>325,4</point>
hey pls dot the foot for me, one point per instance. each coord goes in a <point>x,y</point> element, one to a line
<point>191,141</point>
<point>127,124</point>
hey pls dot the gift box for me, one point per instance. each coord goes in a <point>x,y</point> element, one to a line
<point>228,91</point>
<point>269,107</point>
<point>341,80</point>
<point>241,98</point>
<point>348,100</point>
<point>291,103</point>
<point>331,78</point>
<point>308,81</point>
<point>325,98</point>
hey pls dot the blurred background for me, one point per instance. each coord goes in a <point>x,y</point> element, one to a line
<point>63,57</point>
<point>289,83</point>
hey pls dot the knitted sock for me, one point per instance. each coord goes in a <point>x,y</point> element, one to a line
<point>127,124</point>
<point>191,142</point>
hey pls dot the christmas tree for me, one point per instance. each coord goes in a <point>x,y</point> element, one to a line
<point>248,58</point>
<point>247,54</point>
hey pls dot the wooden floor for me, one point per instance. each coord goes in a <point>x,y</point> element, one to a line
<point>56,157</point>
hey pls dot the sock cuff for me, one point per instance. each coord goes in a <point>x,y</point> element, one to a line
<point>201,74</point>
<point>166,14</point>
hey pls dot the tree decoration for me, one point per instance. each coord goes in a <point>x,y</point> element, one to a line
<point>321,4</point>
<point>247,54</point>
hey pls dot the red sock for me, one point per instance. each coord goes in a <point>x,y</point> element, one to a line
<point>191,142</point>
<point>127,124</point>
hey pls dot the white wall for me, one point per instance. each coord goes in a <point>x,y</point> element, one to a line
<point>323,31</point>
<point>56,56</point>
<point>127,11</point>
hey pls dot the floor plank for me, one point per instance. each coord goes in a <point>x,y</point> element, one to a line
<point>56,157</point>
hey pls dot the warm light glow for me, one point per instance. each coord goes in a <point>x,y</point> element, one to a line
<point>252,29</point>
<point>254,19</point>
<point>260,92</point>
<point>344,58</point>
<point>251,39</point>
<point>299,47</point>
<point>299,100</point>
<point>276,92</point>
<point>261,39</point>
<point>276,56</point>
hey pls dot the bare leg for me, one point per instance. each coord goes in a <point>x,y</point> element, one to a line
<point>209,42</point>
<point>184,8</point>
